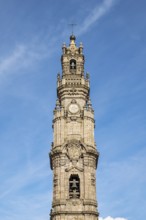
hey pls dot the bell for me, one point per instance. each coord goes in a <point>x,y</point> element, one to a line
<point>74,185</point>
<point>72,65</point>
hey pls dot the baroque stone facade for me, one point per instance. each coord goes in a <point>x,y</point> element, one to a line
<point>73,155</point>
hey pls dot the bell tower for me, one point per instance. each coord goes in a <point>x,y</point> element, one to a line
<point>73,155</point>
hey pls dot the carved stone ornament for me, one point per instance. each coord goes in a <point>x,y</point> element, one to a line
<point>93,179</point>
<point>75,202</point>
<point>74,151</point>
<point>55,180</point>
<point>62,161</point>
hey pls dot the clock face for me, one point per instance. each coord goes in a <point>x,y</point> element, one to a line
<point>73,108</point>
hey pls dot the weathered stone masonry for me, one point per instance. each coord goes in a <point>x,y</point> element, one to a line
<point>73,155</point>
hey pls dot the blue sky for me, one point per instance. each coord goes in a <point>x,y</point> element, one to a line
<point>113,33</point>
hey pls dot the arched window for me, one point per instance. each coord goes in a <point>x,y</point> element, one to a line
<point>74,186</point>
<point>72,64</point>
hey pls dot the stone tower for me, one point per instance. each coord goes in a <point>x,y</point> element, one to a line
<point>73,155</point>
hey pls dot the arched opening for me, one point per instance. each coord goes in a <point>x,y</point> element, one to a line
<point>72,64</point>
<point>74,186</point>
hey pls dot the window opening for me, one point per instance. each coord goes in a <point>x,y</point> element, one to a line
<point>74,186</point>
<point>72,64</point>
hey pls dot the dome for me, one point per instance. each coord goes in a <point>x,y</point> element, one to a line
<point>72,37</point>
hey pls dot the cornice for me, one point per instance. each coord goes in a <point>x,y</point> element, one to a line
<point>75,213</point>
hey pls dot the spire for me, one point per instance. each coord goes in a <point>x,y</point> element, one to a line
<point>72,37</point>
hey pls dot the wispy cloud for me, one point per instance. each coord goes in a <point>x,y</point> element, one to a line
<point>33,206</point>
<point>17,199</point>
<point>23,177</point>
<point>98,12</point>
<point>24,55</point>
<point>110,218</point>
<point>11,60</point>
<point>112,174</point>
<point>21,57</point>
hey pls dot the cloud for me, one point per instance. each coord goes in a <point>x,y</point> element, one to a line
<point>98,12</point>
<point>116,178</point>
<point>110,218</point>
<point>21,57</point>
<point>23,177</point>
<point>24,55</point>
<point>28,204</point>
<point>10,61</point>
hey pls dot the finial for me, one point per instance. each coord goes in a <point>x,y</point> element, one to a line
<point>89,103</point>
<point>72,27</point>
<point>72,37</point>
<point>57,104</point>
<point>58,76</point>
<point>87,76</point>
<point>64,48</point>
<point>64,44</point>
<point>81,44</point>
<point>81,48</point>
